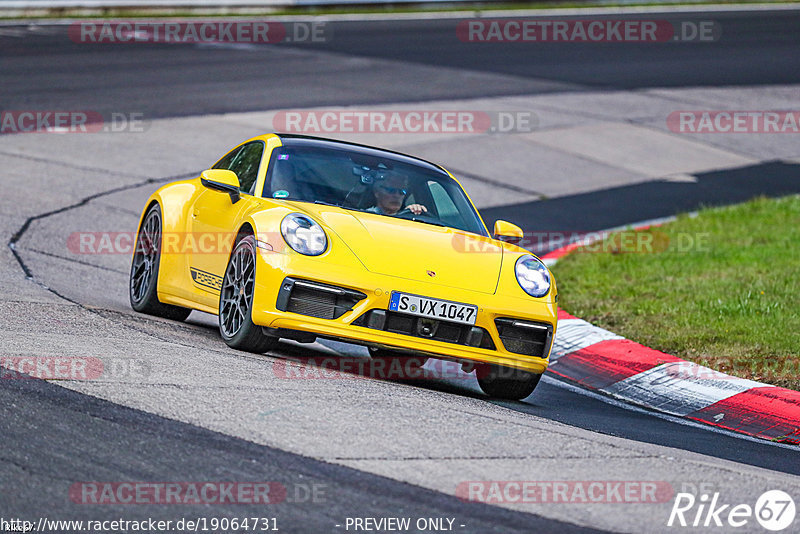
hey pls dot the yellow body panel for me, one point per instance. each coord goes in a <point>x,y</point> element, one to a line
<point>369,253</point>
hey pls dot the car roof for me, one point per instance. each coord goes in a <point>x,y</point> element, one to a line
<point>297,140</point>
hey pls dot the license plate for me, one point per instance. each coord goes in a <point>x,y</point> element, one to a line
<point>433,308</point>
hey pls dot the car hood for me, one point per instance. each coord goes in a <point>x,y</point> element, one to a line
<point>414,250</point>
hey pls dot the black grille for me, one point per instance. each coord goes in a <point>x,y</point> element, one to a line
<point>314,299</point>
<point>411,325</point>
<point>525,337</point>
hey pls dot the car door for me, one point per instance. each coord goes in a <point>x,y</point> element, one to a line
<point>215,220</point>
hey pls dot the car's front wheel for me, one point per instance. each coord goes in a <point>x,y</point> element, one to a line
<point>506,382</point>
<point>236,301</point>
<point>143,284</point>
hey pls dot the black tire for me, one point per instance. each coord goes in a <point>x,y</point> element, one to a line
<point>236,301</point>
<point>143,281</point>
<point>506,382</point>
<point>393,361</point>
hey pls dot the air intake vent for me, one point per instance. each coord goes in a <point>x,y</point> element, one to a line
<point>525,337</point>
<point>411,325</point>
<point>315,299</point>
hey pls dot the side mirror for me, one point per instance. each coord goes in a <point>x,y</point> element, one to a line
<point>222,180</point>
<point>505,231</point>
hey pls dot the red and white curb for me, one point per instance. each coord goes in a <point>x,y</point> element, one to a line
<point>602,361</point>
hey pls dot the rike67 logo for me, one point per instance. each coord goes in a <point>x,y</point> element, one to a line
<point>774,510</point>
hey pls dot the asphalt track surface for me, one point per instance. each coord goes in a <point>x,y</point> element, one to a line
<point>599,210</point>
<point>136,444</point>
<point>45,427</point>
<point>163,80</point>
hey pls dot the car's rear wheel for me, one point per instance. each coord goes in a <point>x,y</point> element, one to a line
<point>396,365</point>
<point>143,284</point>
<point>506,382</point>
<point>236,301</point>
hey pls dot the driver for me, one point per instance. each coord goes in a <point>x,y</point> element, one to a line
<point>390,194</point>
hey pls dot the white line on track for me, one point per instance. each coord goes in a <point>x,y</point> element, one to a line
<point>19,33</point>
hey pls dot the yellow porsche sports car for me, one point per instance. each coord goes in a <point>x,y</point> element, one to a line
<point>297,237</point>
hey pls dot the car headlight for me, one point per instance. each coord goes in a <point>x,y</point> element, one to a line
<point>532,276</point>
<point>303,234</point>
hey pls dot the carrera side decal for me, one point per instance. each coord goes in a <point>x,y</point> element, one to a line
<point>206,280</point>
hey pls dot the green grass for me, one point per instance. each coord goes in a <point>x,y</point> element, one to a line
<point>731,301</point>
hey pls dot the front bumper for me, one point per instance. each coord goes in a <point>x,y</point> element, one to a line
<point>274,268</point>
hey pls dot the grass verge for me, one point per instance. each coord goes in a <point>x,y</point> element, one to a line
<point>721,289</point>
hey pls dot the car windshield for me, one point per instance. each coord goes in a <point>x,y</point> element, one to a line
<point>373,182</point>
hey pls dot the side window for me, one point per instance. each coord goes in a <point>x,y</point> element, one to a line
<point>244,163</point>
<point>225,163</point>
<point>447,210</point>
